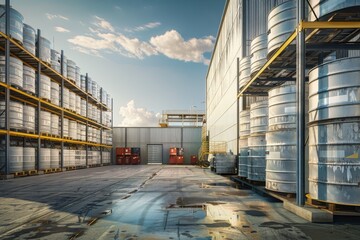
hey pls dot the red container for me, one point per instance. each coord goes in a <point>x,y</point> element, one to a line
<point>173,151</point>
<point>193,159</point>
<point>127,151</point>
<point>119,160</point>
<point>135,160</point>
<point>172,159</point>
<point>180,160</point>
<point>120,151</point>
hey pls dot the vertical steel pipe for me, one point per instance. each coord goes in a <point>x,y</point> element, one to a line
<point>87,111</point>
<point>7,81</point>
<point>300,106</point>
<point>38,87</point>
<point>62,70</point>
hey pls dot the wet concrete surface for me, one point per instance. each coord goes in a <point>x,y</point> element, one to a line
<point>149,202</point>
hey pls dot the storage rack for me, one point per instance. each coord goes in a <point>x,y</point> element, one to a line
<point>12,48</point>
<point>314,41</point>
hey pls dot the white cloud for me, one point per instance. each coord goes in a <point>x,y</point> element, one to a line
<point>61,29</point>
<point>54,16</point>
<point>172,45</point>
<point>137,117</point>
<point>118,7</point>
<point>103,24</point>
<point>149,25</point>
<point>102,38</point>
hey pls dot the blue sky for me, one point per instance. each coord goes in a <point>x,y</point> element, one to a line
<point>150,55</point>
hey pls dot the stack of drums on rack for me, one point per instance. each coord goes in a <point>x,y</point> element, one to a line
<point>55,158</point>
<point>71,70</point>
<point>258,53</point>
<point>45,87</point>
<point>29,80</point>
<point>55,60</point>
<point>15,73</point>
<point>281,140</point>
<point>29,118</point>
<point>243,142</point>
<point>55,93</point>
<point>66,98</point>
<point>16,23</point>
<point>45,158</point>
<point>55,124</point>
<point>45,50</point>
<point>29,38</point>
<point>45,122</point>
<point>257,141</point>
<point>244,67</point>
<point>281,24</point>
<point>334,131</point>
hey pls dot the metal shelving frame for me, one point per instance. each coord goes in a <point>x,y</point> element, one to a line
<point>313,42</point>
<point>12,48</point>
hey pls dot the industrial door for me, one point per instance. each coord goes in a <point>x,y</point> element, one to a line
<point>155,153</point>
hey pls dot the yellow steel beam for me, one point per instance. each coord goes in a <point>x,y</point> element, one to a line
<point>271,60</point>
<point>328,25</point>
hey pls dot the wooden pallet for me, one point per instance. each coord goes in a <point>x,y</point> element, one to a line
<point>46,134</point>
<point>46,100</point>
<point>335,208</point>
<point>70,168</point>
<point>20,174</point>
<point>31,172</point>
<point>94,165</point>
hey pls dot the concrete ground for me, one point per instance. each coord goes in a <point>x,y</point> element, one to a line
<point>149,202</point>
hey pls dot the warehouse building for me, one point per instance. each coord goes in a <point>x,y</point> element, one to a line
<point>282,110</point>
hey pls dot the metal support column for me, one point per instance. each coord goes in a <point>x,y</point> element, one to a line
<point>112,129</point>
<point>237,111</point>
<point>7,81</point>
<point>101,128</point>
<point>300,105</point>
<point>87,123</point>
<point>62,110</point>
<point>38,87</point>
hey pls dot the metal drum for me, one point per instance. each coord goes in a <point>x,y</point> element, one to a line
<point>29,38</point>
<point>244,66</point>
<point>29,79</point>
<point>83,157</point>
<point>259,117</point>
<point>244,134</point>
<point>326,8</point>
<point>16,159</point>
<point>89,85</point>
<point>77,76</point>
<point>257,141</point>
<point>45,87</point>
<point>55,60</point>
<point>2,116</point>
<point>55,93</point>
<point>109,101</point>
<point>44,51</point>
<point>103,96</point>
<point>105,157</point>
<point>71,70</point>
<point>90,134</point>
<point>94,91</point>
<point>66,157</point>
<point>72,129</point>
<point>29,158</point>
<point>281,23</point>
<point>281,140</point>
<point>72,99</point>
<point>258,52</point>
<point>29,118</point>
<point>83,82</point>
<point>45,158</point>
<point>77,157</point>
<point>256,159</point>
<point>55,158</point>
<point>15,71</point>
<point>78,131</point>
<point>55,124</point>
<point>45,122</point>
<point>77,104</point>
<point>16,112</point>
<point>82,132</point>
<point>83,107</point>
<point>334,131</point>
<point>72,158</point>
<point>64,66</point>
<point>16,23</point>
<point>66,95</point>
<point>66,127</point>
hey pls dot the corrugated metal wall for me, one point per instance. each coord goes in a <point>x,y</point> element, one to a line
<point>188,137</point>
<point>221,80</point>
